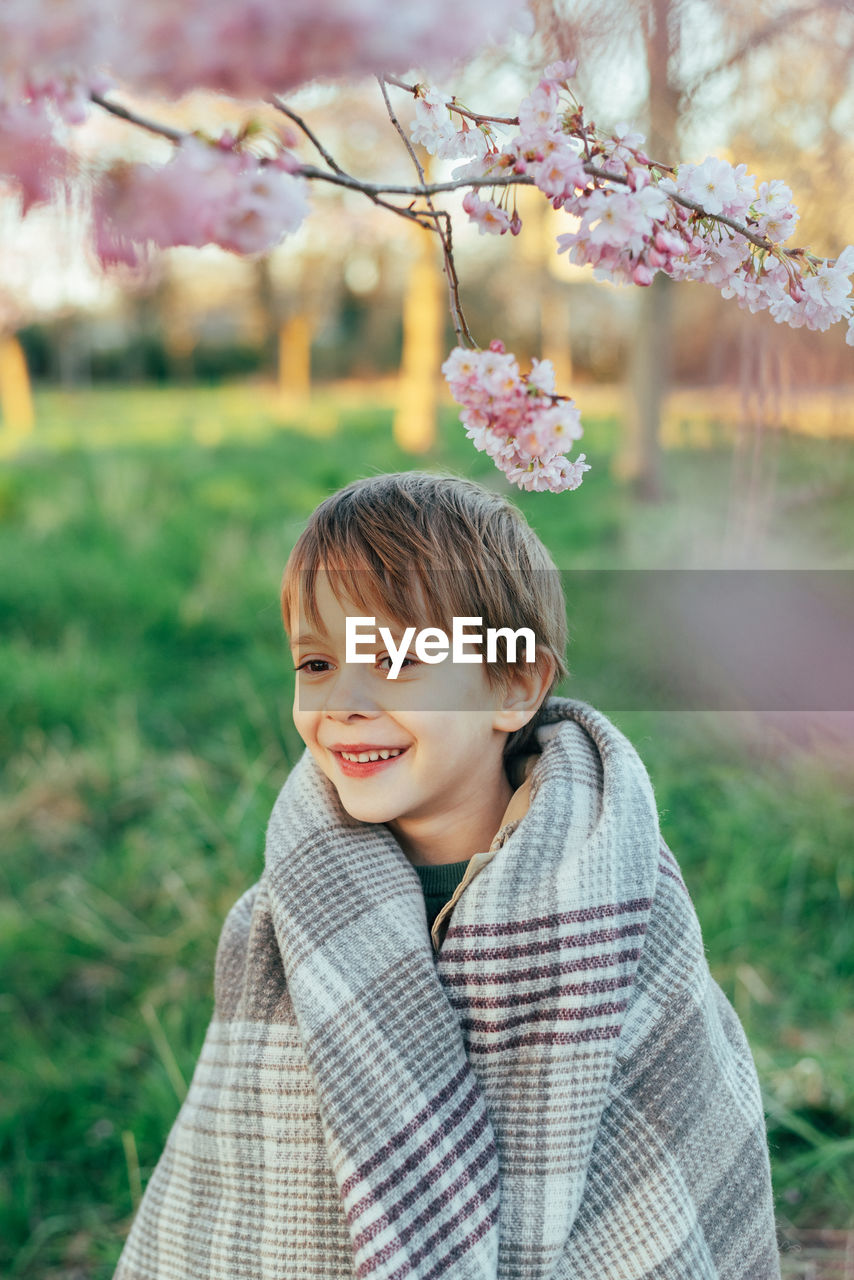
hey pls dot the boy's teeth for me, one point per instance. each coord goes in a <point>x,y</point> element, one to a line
<point>364,756</point>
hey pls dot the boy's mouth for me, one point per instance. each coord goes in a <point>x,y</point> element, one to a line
<point>356,763</point>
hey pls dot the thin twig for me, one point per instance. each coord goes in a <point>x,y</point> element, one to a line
<point>454,283</point>
<point>419,168</point>
<point>414,215</point>
<point>133,117</point>
<point>461,328</point>
<point>452,103</point>
<point>309,133</point>
<point>401,84</point>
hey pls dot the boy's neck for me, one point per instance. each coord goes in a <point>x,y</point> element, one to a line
<point>459,835</point>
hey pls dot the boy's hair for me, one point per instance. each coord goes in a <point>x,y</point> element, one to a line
<point>468,551</point>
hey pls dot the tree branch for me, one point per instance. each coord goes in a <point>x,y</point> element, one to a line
<point>452,103</point>
<point>309,133</point>
<point>461,328</point>
<point>142,122</point>
<point>425,190</point>
<point>521,179</point>
<point>761,242</point>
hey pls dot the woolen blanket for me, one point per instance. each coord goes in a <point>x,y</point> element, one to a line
<point>561,1092</point>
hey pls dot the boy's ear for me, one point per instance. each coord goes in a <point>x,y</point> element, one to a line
<point>524,693</point>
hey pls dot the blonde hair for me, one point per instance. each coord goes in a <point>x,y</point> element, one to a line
<point>397,540</point>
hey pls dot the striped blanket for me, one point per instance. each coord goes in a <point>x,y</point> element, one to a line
<point>561,1091</point>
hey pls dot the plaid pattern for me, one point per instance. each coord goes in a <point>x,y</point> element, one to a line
<point>560,1092</point>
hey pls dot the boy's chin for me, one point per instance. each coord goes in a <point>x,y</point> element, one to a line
<point>365,811</point>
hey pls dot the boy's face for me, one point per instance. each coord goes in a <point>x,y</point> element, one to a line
<point>448,727</point>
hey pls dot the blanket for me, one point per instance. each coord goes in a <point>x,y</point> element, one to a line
<point>560,1092</point>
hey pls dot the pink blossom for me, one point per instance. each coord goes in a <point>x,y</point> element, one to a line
<point>250,49</point>
<point>620,149</point>
<point>489,217</point>
<point>559,172</point>
<point>56,52</point>
<point>432,125</point>
<point>554,475</point>
<point>828,294</point>
<point>461,371</point>
<point>30,157</point>
<point>538,112</point>
<point>516,420</point>
<point>469,141</point>
<point>262,46</point>
<point>562,71</point>
<point>542,376</point>
<point>776,216</point>
<point>203,195</point>
<point>714,184</point>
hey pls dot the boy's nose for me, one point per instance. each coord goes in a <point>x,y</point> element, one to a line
<point>350,694</point>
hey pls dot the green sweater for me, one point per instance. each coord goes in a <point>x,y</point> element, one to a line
<point>438,884</point>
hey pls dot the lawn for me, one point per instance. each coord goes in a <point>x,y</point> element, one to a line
<point>145,694</point>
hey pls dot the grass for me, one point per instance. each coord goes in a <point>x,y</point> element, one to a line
<point>145,723</point>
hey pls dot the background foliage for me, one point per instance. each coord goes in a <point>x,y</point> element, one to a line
<point>145,693</point>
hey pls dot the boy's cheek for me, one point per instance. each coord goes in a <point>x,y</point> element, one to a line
<point>301,723</point>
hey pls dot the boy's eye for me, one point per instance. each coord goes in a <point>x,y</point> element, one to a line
<point>387,658</point>
<point>311,663</point>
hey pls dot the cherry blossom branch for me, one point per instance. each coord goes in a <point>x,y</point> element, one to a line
<point>628,217</point>
<point>371,189</point>
<point>375,191</point>
<point>761,242</point>
<point>635,217</point>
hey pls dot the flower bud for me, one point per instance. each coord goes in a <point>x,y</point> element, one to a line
<point>637,178</point>
<point>796,289</point>
<point>642,274</point>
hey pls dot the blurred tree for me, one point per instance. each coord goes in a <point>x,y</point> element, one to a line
<point>16,402</point>
<point>670,59</point>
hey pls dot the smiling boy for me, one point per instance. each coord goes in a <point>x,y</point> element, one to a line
<point>545,1085</point>
<point>443,791</point>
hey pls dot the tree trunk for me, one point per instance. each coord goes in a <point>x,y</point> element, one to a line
<point>17,417</point>
<point>295,356</point>
<point>423,331</point>
<point>639,461</point>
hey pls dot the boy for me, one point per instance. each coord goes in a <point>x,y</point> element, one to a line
<point>547,1083</point>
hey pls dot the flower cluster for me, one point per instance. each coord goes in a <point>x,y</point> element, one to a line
<point>517,420</point>
<point>31,162</point>
<point>56,52</point>
<point>634,220</point>
<point>252,49</point>
<point>206,194</point>
<point>630,218</point>
<point>435,129</point>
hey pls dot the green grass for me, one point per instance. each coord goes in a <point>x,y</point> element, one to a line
<point>145,699</point>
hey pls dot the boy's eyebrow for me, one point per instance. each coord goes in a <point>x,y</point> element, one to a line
<point>306,637</point>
